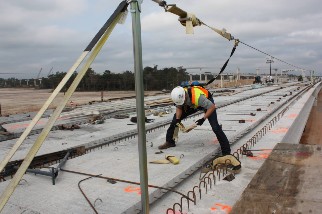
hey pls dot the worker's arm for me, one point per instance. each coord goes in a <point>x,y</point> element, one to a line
<point>209,111</point>
<point>209,106</point>
<point>178,112</point>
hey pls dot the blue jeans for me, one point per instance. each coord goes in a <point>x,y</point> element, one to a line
<point>223,141</point>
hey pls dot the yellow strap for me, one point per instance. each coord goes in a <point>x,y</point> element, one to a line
<point>163,161</point>
<point>176,134</point>
<point>173,159</point>
<point>188,20</point>
<point>172,8</point>
<point>41,138</point>
<point>184,129</point>
<point>189,26</point>
<point>41,111</point>
<point>189,128</point>
<point>223,33</point>
<point>227,159</point>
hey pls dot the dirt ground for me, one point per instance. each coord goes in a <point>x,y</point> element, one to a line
<point>312,133</point>
<point>13,101</point>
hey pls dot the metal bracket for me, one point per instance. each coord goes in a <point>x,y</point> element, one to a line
<point>139,2</point>
<point>53,173</point>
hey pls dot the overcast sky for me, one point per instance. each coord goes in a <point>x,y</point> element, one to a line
<point>37,34</point>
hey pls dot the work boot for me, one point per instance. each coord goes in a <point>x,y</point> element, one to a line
<point>166,145</point>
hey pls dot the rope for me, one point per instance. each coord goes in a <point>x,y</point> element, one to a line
<point>272,56</point>
<point>223,33</point>
<point>226,63</point>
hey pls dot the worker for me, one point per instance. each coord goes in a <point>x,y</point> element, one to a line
<point>188,101</point>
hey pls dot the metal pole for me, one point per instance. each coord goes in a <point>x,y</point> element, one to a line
<point>139,90</point>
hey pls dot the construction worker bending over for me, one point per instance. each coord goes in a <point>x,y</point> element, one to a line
<point>188,101</point>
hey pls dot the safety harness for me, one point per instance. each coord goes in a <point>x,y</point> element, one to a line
<point>194,93</point>
<point>189,20</point>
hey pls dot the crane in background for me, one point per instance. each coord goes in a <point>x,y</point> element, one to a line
<point>35,80</point>
<point>49,73</point>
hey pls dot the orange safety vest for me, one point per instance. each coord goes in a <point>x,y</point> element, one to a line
<point>195,92</point>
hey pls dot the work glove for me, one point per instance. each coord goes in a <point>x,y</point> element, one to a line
<point>200,121</point>
<point>178,121</point>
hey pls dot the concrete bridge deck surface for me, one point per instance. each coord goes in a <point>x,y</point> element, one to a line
<point>290,179</point>
<point>222,197</point>
<point>120,161</point>
<point>59,140</point>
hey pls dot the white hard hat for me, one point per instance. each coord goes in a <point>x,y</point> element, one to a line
<point>178,95</point>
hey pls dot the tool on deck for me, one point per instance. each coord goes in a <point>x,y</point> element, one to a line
<point>251,114</point>
<point>184,129</point>
<point>168,159</point>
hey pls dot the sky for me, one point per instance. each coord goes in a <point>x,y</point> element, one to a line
<point>51,35</point>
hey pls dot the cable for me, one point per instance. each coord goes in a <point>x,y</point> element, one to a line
<point>228,36</point>
<point>272,56</point>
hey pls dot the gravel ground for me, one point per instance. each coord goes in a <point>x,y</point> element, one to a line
<point>14,101</point>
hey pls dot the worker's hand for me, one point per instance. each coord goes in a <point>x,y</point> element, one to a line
<point>178,121</point>
<point>200,121</point>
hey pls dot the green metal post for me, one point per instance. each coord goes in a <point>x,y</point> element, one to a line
<point>139,90</point>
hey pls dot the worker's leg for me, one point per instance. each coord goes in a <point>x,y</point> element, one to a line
<point>223,141</point>
<point>170,131</point>
<point>169,136</point>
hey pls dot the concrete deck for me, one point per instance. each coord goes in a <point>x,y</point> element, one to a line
<point>288,182</point>
<point>121,161</point>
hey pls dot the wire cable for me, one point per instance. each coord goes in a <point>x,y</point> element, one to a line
<point>228,36</point>
<point>272,56</point>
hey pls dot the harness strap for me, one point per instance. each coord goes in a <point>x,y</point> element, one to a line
<point>226,63</point>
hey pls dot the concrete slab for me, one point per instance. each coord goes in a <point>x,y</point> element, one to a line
<point>121,161</point>
<point>287,182</point>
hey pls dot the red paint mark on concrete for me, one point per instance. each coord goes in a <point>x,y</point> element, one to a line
<point>280,130</point>
<point>292,116</point>
<point>222,207</point>
<point>22,125</point>
<point>303,154</point>
<point>131,189</point>
<point>261,156</point>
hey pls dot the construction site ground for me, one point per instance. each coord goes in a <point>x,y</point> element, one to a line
<point>281,177</point>
<point>26,100</point>
<point>289,180</point>
<point>313,130</point>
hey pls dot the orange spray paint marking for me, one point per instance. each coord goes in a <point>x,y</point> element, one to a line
<point>292,116</point>
<point>261,156</point>
<point>133,189</point>
<point>222,207</point>
<point>280,130</point>
<point>23,125</point>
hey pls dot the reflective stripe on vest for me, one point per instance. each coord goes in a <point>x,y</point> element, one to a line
<point>196,91</point>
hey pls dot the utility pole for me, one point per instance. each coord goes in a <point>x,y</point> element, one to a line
<point>138,72</point>
<point>270,61</point>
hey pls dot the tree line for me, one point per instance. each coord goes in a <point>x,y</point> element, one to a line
<point>153,79</point>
